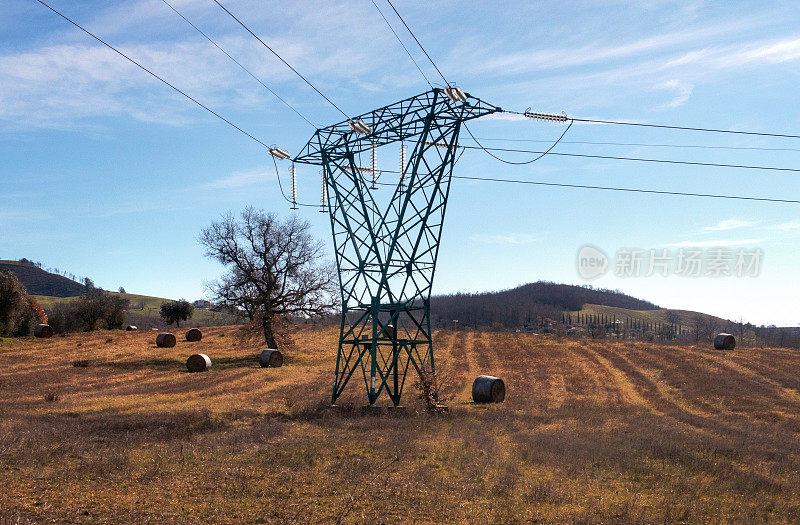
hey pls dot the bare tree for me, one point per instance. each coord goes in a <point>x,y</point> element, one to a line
<point>705,327</point>
<point>274,268</point>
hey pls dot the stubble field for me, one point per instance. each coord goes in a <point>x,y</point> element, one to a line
<point>591,431</point>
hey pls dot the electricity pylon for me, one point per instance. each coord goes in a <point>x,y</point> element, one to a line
<point>386,256</point>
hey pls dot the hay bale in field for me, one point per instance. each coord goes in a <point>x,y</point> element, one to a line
<point>43,331</point>
<point>198,363</point>
<point>131,328</point>
<point>488,389</point>
<point>165,340</point>
<point>724,342</point>
<point>270,358</point>
<point>194,335</point>
<point>389,332</point>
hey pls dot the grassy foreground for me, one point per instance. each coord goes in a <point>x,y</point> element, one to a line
<point>592,431</point>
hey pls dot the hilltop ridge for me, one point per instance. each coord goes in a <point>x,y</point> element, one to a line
<point>41,282</point>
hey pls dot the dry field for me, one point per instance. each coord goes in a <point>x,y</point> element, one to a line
<point>591,431</point>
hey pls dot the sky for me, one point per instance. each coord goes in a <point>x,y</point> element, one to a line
<point>105,172</point>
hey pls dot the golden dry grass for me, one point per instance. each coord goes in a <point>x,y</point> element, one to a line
<point>591,431</point>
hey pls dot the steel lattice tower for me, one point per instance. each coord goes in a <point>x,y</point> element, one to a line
<point>386,257</point>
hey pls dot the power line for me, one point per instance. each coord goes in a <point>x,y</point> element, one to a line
<point>686,128</point>
<point>137,64</point>
<point>539,183</point>
<point>631,190</point>
<point>416,40</point>
<point>606,188</point>
<point>401,43</point>
<point>173,87</point>
<point>282,60</point>
<point>682,128</point>
<point>639,159</point>
<point>239,64</point>
<point>643,144</point>
<point>548,150</point>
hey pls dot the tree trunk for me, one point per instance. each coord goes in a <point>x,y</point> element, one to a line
<point>269,336</point>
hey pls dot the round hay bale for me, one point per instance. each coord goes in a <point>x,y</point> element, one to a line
<point>43,331</point>
<point>131,328</point>
<point>724,342</point>
<point>165,340</point>
<point>270,358</point>
<point>198,363</point>
<point>194,335</point>
<point>488,389</point>
<point>389,332</point>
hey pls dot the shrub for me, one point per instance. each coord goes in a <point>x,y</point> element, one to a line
<point>95,310</point>
<point>17,317</point>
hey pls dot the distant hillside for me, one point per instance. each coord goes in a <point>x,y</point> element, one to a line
<point>514,307</point>
<point>41,282</point>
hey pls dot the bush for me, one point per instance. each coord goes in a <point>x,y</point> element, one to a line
<point>95,310</point>
<point>17,317</point>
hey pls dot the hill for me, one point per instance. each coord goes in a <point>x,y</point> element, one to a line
<point>515,307</point>
<point>590,432</point>
<point>50,289</point>
<point>40,282</point>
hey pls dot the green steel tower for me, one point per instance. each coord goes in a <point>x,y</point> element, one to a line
<point>386,254</point>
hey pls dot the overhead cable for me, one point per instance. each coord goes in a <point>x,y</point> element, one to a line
<point>401,43</point>
<point>638,159</point>
<point>143,68</point>
<point>633,190</point>
<point>239,64</point>
<point>662,126</point>
<point>641,144</point>
<point>331,102</point>
<point>417,41</point>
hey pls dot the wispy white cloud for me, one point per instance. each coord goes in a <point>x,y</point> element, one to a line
<point>241,179</point>
<point>787,226</point>
<point>680,64</point>
<point>73,78</point>
<point>143,206</point>
<point>682,89</point>
<point>728,224</point>
<point>57,85</point>
<point>23,215</point>
<point>771,51</point>
<point>722,243</point>
<point>510,239</point>
<point>526,61</point>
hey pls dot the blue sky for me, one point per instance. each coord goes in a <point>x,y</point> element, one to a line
<point>107,173</point>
